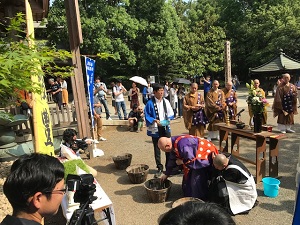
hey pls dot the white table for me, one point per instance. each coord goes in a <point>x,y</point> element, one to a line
<point>102,204</point>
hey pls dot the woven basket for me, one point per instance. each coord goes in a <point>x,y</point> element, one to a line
<point>122,161</point>
<point>158,191</point>
<point>137,173</point>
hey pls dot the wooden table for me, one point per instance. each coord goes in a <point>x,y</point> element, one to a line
<point>261,139</point>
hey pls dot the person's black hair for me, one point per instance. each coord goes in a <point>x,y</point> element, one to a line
<point>31,174</point>
<point>156,87</point>
<point>197,213</point>
<point>68,135</point>
<point>97,78</point>
<point>135,106</point>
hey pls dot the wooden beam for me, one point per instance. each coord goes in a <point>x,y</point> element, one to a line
<point>75,38</point>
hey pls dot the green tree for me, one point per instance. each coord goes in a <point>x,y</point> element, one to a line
<point>258,29</point>
<point>19,61</point>
<point>106,27</point>
<point>202,39</point>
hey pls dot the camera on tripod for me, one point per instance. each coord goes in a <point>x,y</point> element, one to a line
<point>84,188</point>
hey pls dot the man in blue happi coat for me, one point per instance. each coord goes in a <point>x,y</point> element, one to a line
<point>158,112</point>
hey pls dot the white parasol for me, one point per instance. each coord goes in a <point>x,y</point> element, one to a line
<point>139,80</point>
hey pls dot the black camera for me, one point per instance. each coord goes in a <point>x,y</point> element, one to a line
<point>79,144</point>
<point>84,188</point>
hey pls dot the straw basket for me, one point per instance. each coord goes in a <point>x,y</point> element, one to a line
<point>184,200</point>
<point>158,191</point>
<point>137,173</point>
<point>122,161</point>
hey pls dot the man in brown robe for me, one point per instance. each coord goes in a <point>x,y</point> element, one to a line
<point>285,104</point>
<point>261,91</point>
<point>215,109</point>
<point>193,112</point>
<point>230,100</point>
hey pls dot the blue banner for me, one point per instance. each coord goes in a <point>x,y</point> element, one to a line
<point>90,68</point>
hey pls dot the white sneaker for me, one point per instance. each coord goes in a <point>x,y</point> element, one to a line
<point>101,139</point>
<point>109,118</point>
<point>290,131</point>
<point>282,131</point>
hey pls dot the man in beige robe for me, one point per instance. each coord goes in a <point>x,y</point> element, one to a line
<point>285,104</point>
<point>230,100</point>
<point>215,109</point>
<point>193,112</point>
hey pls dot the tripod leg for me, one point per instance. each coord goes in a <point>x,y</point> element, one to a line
<point>108,217</point>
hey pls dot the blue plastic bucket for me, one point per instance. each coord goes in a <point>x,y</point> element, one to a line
<point>271,186</point>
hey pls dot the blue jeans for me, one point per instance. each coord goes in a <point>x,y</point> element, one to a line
<point>122,105</point>
<point>104,103</point>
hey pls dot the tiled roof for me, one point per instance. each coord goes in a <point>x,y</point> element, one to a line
<point>279,63</point>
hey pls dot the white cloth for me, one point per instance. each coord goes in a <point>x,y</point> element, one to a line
<point>242,197</point>
<point>161,112</point>
<point>116,90</point>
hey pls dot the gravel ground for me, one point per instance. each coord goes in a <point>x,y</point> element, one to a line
<point>131,204</point>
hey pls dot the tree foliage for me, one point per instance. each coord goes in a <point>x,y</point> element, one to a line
<point>19,61</point>
<point>178,38</point>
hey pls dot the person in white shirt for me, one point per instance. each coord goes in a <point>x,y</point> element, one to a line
<point>118,91</point>
<point>166,90</point>
<point>174,98</point>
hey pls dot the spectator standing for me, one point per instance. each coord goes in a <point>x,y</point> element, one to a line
<point>134,95</point>
<point>180,94</point>
<point>285,104</point>
<point>100,90</point>
<point>156,110</point>
<point>55,90</point>
<point>35,188</point>
<point>119,91</point>
<point>206,85</point>
<point>64,90</point>
<point>231,100</point>
<point>113,100</point>
<point>147,93</point>
<point>145,96</point>
<point>98,119</point>
<point>173,98</point>
<point>166,90</point>
<point>236,82</point>
<point>215,106</point>
<point>195,119</point>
